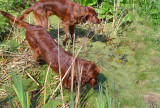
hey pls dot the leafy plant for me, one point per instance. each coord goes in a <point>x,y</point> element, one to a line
<point>4,22</point>
<point>11,7</point>
<point>104,99</point>
<point>18,88</point>
<point>16,4</point>
<point>86,2</point>
<point>150,8</point>
<point>105,8</point>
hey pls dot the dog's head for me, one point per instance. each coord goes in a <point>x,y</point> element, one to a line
<point>93,75</point>
<point>90,74</point>
<point>92,15</point>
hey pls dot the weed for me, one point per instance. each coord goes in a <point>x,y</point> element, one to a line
<point>18,88</point>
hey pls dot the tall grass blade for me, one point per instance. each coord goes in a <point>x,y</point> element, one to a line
<point>108,99</point>
<point>101,101</point>
<point>51,104</point>
<point>101,97</point>
<point>72,101</point>
<point>10,101</point>
<point>28,103</point>
<point>97,103</point>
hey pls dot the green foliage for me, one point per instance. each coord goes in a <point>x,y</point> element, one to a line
<point>150,8</point>
<point>20,4</point>
<point>4,22</point>
<point>11,7</point>
<point>105,8</point>
<point>86,2</point>
<point>18,88</point>
<point>129,18</point>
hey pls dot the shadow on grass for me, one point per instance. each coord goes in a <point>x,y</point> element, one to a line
<point>4,102</point>
<point>35,99</point>
<point>4,35</point>
<point>79,33</point>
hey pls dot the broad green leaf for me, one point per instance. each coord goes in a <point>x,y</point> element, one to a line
<point>106,6</point>
<point>130,18</point>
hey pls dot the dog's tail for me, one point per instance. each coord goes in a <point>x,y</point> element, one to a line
<point>15,20</point>
<point>26,13</point>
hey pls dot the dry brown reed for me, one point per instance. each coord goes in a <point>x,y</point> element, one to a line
<point>60,66</point>
<point>45,88</point>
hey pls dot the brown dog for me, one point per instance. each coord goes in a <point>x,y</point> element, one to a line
<point>42,44</point>
<point>69,12</point>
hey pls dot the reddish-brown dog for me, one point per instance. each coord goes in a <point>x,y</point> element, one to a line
<point>69,12</point>
<point>42,44</point>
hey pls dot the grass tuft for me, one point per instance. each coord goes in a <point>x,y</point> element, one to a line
<point>18,88</point>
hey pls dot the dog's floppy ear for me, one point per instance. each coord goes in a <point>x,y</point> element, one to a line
<point>93,75</point>
<point>89,7</point>
<point>90,10</point>
<point>85,73</point>
<point>90,71</point>
<point>83,14</point>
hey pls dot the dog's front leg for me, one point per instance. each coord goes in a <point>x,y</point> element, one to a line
<point>67,31</point>
<point>71,29</point>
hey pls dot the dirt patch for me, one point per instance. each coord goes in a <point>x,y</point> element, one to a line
<point>152,100</point>
<point>137,46</point>
<point>155,60</point>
